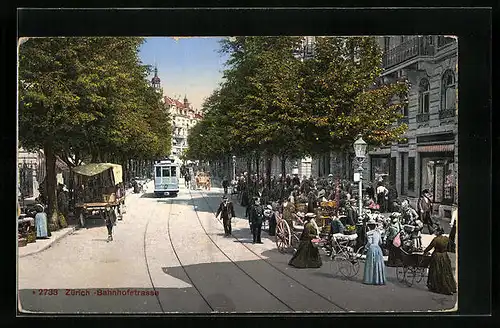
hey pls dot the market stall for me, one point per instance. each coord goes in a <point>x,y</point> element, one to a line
<point>99,191</point>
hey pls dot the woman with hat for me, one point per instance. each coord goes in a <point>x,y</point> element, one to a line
<point>41,222</point>
<point>307,256</point>
<point>374,273</point>
<point>440,279</point>
<point>392,232</point>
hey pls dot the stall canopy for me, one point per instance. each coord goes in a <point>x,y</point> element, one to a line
<point>97,168</point>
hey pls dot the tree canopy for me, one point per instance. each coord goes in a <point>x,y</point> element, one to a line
<point>272,101</point>
<point>86,95</point>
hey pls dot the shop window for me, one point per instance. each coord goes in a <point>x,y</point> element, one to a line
<point>438,175</point>
<point>423,97</point>
<point>448,94</point>
<point>380,168</point>
<point>411,174</point>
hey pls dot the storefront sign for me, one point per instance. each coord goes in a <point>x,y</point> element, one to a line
<point>356,177</point>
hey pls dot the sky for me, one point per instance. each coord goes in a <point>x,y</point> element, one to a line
<point>187,66</point>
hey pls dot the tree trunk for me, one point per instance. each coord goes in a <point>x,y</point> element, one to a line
<point>51,181</point>
<point>269,161</point>
<point>257,164</point>
<point>249,165</point>
<point>283,166</point>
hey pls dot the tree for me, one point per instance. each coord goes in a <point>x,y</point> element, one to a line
<point>79,96</point>
<point>340,95</point>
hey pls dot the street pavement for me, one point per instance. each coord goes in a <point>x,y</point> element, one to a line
<point>173,251</point>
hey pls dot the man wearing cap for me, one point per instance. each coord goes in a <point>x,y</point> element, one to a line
<point>256,216</point>
<point>226,210</point>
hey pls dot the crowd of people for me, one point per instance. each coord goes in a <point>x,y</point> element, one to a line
<point>402,230</point>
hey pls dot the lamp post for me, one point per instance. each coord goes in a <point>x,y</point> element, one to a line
<point>234,167</point>
<point>360,151</point>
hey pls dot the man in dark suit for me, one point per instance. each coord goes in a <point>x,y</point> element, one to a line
<point>256,216</point>
<point>226,210</point>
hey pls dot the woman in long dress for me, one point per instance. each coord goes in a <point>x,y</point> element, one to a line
<point>374,273</point>
<point>41,222</point>
<point>307,256</point>
<point>440,279</point>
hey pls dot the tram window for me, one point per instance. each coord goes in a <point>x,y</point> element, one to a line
<point>158,172</point>
<point>173,171</point>
<point>165,172</point>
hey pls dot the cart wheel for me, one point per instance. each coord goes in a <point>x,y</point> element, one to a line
<point>360,253</point>
<point>282,236</point>
<point>400,274</point>
<point>81,220</point>
<point>346,267</point>
<point>410,276</point>
<point>420,274</point>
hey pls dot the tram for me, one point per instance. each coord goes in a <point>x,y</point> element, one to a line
<point>166,176</point>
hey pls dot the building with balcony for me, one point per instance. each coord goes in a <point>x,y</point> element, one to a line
<point>428,156</point>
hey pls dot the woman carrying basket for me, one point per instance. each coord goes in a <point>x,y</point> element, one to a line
<point>441,279</point>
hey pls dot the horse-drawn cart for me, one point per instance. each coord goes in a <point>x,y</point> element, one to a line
<point>99,191</point>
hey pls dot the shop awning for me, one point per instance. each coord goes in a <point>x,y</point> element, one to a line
<point>436,148</point>
<point>97,168</point>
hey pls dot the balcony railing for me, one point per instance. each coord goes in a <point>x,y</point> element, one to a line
<point>422,117</point>
<point>446,113</point>
<point>412,48</point>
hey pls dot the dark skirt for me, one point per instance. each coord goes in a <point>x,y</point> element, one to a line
<point>307,256</point>
<point>441,279</point>
<point>394,259</point>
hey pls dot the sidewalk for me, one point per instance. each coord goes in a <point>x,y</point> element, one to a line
<point>43,244</point>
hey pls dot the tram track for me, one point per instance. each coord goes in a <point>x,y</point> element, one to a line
<point>179,260</point>
<point>268,262</point>
<point>233,262</point>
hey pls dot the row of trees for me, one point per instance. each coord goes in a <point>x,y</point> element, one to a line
<point>88,100</point>
<point>273,103</point>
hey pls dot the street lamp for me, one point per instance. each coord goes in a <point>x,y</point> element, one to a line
<point>360,151</point>
<point>234,167</point>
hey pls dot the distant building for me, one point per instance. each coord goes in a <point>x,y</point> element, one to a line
<point>184,117</point>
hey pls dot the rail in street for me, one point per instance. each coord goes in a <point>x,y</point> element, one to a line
<point>175,249</point>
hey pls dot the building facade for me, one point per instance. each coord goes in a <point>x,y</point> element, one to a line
<point>428,158</point>
<point>183,116</point>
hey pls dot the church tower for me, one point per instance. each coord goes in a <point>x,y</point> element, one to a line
<point>186,103</point>
<point>155,81</point>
